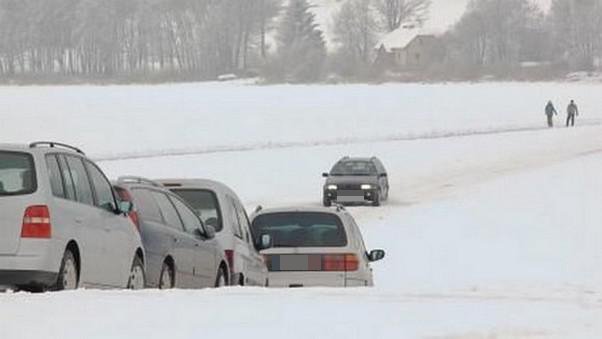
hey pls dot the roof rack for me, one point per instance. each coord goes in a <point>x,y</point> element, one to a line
<point>53,144</point>
<point>138,180</point>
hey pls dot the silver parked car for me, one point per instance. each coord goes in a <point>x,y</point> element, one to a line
<point>314,246</point>
<point>220,207</point>
<point>181,251</point>
<point>61,226</point>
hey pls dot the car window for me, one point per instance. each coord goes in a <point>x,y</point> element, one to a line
<point>54,174</point>
<point>301,229</point>
<point>17,174</point>
<point>102,188</point>
<point>237,229</point>
<point>170,215</point>
<point>146,206</point>
<point>83,190</point>
<point>191,221</point>
<point>243,220</point>
<point>67,180</point>
<point>354,168</point>
<point>205,205</point>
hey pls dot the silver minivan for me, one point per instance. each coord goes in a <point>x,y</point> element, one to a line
<point>60,224</point>
<point>220,207</point>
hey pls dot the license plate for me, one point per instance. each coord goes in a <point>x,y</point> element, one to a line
<point>295,262</point>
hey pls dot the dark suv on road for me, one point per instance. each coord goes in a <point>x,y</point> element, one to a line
<point>356,180</point>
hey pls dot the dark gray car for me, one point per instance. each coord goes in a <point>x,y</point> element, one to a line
<point>181,251</point>
<point>356,180</point>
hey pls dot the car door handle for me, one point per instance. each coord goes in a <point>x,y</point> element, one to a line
<point>79,221</point>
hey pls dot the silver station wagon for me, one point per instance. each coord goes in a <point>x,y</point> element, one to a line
<point>61,226</point>
<point>314,247</point>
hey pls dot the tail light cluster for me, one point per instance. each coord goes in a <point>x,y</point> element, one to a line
<point>340,262</point>
<point>230,258</point>
<point>36,223</point>
<point>125,195</point>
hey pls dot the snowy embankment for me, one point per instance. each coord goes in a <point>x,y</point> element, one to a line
<point>495,235</point>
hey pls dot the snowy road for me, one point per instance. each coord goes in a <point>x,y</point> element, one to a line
<point>491,232</point>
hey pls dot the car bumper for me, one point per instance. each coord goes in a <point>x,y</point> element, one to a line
<point>22,278</point>
<point>315,279</point>
<point>37,262</point>
<point>351,196</point>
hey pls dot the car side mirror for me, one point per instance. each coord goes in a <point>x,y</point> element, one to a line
<point>376,255</point>
<point>265,242</point>
<point>209,232</point>
<point>325,175</point>
<point>124,207</point>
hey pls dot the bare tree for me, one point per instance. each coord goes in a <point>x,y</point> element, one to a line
<point>577,29</point>
<point>394,13</point>
<point>355,30</point>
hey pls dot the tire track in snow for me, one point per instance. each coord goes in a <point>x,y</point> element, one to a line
<point>326,142</point>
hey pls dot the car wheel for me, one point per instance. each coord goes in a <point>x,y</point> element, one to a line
<point>68,278</point>
<point>326,202</point>
<point>221,279</point>
<point>166,280</point>
<point>136,280</point>
<point>376,201</point>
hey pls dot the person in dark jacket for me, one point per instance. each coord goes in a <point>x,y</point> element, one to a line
<point>550,111</point>
<point>572,110</point>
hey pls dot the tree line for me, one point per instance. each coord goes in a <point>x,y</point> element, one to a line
<point>281,40</point>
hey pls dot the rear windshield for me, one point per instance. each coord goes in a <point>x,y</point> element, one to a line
<point>354,168</point>
<point>301,229</point>
<point>17,174</point>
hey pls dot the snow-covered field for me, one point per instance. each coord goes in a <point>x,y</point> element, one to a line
<point>493,230</point>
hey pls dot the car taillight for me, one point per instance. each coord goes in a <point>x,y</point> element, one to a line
<point>124,195</point>
<point>36,223</point>
<point>135,219</point>
<point>230,259</point>
<point>340,262</point>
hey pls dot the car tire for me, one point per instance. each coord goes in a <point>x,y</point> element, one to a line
<point>166,279</point>
<point>221,280</point>
<point>326,202</point>
<point>376,201</point>
<point>136,280</point>
<point>68,278</point>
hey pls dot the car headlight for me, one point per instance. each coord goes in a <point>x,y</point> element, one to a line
<point>366,187</point>
<point>332,187</point>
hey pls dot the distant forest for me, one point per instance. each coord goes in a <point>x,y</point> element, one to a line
<point>64,41</point>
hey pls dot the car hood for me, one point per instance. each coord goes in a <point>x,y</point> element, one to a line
<point>352,180</point>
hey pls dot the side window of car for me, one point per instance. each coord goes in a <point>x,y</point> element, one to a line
<point>54,174</point>
<point>83,190</point>
<point>189,218</point>
<point>67,180</point>
<point>170,215</point>
<point>243,221</point>
<point>102,188</point>
<point>146,205</point>
<point>237,226</point>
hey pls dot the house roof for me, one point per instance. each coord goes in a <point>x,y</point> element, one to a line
<point>401,37</point>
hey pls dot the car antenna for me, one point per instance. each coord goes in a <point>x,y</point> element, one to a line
<point>258,208</point>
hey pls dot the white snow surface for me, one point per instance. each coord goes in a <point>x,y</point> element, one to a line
<point>493,229</point>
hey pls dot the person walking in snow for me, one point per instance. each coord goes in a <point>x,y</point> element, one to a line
<point>572,110</point>
<point>550,111</point>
